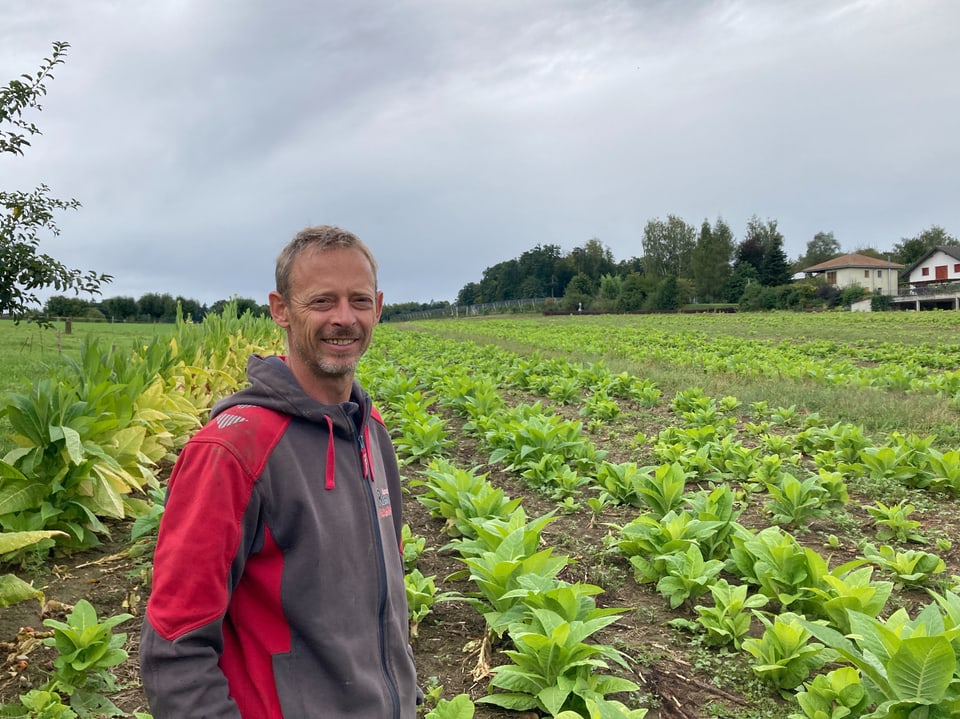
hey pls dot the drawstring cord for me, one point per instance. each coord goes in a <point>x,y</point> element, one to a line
<point>330,482</point>
<point>365,464</point>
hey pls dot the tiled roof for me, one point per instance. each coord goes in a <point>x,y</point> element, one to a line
<point>855,260</point>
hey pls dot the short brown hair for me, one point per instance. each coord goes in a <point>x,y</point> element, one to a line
<point>319,237</point>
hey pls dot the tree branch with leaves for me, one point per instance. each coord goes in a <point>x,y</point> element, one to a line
<point>27,215</point>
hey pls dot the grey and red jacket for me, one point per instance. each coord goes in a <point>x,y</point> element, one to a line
<point>278,577</point>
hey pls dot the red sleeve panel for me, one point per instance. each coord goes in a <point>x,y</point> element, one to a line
<point>201,533</point>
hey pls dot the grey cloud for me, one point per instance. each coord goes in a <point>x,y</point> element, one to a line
<point>455,135</point>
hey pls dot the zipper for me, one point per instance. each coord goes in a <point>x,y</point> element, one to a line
<point>365,470</point>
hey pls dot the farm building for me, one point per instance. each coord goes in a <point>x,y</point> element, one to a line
<point>874,275</point>
<point>936,265</point>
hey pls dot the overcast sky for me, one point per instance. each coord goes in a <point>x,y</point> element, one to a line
<point>200,135</point>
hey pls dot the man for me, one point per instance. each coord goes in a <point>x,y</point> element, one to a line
<point>278,578</point>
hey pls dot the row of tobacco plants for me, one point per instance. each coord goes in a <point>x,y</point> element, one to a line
<point>847,640</point>
<point>854,639</point>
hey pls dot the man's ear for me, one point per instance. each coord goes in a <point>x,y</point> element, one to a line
<point>379,305</point>
<point>278,309</point>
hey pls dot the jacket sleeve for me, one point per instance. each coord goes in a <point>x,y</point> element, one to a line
<point>201,550</point>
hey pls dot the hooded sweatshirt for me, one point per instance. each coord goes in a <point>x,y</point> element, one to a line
<point>278,576</point>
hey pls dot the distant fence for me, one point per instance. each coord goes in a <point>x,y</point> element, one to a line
<point>488,308</point>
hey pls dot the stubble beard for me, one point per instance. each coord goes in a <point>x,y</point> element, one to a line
<point>323,368</point>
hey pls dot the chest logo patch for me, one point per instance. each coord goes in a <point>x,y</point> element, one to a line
<point>383,503</point>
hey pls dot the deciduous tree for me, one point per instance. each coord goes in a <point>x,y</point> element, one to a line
<point>711,261</point>
<point>668,247</point>
<point>910,249</point>
<point>579,293</point>
<point>824,246</point>
<point>27,215</point>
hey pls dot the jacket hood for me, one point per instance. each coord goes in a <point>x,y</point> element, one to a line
<point>273,386</point>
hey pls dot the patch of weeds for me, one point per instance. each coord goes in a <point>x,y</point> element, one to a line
<point>764,709</point>
<point>609,575</point>
<point>886,488</point>
<point>645,656</point>
<point>729,671</point>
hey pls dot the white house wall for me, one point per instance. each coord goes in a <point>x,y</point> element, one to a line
<point>931,264</point>
<point>880,280</point>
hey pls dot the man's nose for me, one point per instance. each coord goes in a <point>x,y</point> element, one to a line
<point>342,313</point>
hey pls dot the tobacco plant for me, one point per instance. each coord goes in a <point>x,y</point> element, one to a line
<point>460,496</point>
<point>460,707</point>
<point>663,490</point>
<point>720,508</point>
<point>553,668</point>
<point>893,523</point>
<point>488,533</point>
<point>908,666</point>
<point>776,563</point>
<point>910,568</point>
<point>647,542</point>
<point>418,434</point>
<point>620,483</point>
<point>793,502</point>
<point>784,656</point>
<point>498,572</point>
<point>687,575</point>
<point>86,649</point>
<point>413,546</point>
<point>944,468</point>
<point>728,620</point>
<point>834,695</point>
<point>422,594</point>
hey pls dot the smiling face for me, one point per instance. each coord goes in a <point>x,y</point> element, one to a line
<point>329,314</point>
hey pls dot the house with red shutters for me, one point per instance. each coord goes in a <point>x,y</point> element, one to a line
<point>938,265</point>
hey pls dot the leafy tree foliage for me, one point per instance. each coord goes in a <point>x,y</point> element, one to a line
<point>593,259</point>
<point>60,306</point>
<point>762,247</point>
<point>749,252</point>
<point>668,247</point>
<point>744,274</point>
<point>633,293</point>
<point>26,215</point>
<point>611,287</point>
<point>469,294</point>
<point>910,249</point>
<point>634,264</point>
<point>711,261</point>
<point>667,295</point>
<point>155,307</point>
<point>244,304</point>
<point>824,246</point>
<point>579,293</point>
<point>120,309</point>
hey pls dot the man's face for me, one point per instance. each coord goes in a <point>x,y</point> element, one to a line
<point>332,309</point>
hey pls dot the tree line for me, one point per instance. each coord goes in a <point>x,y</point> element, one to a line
<point>682,265</point>
<point>155,307</point>
<point>151,307</point>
